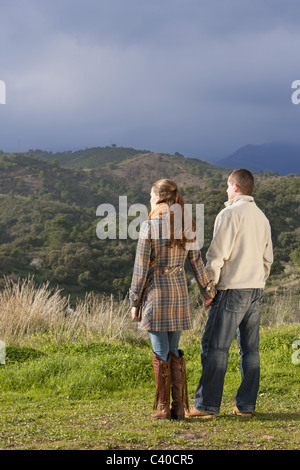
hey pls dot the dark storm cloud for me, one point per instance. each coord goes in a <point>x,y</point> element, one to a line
<point>202,78</point>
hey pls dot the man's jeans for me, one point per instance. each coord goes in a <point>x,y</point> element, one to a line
<point>233,311</point>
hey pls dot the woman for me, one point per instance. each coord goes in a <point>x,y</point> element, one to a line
<point>159,294</point>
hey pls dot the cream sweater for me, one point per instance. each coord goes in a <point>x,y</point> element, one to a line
<point>240,254</point>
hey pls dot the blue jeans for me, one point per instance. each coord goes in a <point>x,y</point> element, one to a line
<point>163,342</point>
<point>233,311</point>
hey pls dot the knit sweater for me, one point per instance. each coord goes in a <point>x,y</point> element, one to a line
<point>240,254</point>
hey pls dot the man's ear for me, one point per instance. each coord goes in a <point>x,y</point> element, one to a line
<point>236,188</point>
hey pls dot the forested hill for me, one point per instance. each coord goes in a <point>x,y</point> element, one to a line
<point>48,212</point>
<point>95,157</point>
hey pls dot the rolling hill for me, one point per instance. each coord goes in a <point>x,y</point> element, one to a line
<point>48,213</point>
<point>95,157</point>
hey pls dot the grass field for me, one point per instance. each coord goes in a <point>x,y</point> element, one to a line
<point>99,395</point>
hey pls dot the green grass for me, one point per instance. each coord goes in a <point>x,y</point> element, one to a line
<point>100,396</point>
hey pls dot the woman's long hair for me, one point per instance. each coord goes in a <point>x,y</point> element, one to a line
<point>168,193</point>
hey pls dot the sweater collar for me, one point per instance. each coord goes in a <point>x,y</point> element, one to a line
<point>242,197</point>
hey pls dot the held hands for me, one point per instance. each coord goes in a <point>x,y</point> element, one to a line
<point>135,314</point>
<point>206,302</point>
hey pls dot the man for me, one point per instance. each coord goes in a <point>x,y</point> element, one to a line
<point>238,262</point>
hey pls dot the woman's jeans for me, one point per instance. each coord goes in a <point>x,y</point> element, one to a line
<point>163,342</point>
<point>233,312</point>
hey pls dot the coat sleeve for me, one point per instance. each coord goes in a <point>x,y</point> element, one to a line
<point>141,265</point>
<point>206,286</point>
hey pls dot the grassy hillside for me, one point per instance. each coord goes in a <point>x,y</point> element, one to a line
<point>76,379</point>
<point>86,396</point>
<point>48,213</point>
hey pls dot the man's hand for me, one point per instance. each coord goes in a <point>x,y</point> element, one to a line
<point>135,314</point>
<point>206,302</point>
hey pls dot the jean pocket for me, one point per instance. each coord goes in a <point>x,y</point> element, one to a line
<point>238,300</point>
<point>217,299</point>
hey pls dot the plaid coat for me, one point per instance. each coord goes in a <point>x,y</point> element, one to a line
<point>159,285</point>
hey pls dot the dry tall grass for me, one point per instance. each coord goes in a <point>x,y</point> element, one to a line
<point>282,307</point>
<point>34,313</point>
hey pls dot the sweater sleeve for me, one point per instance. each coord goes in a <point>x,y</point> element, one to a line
<point>141,265</point>
<point>268,256</point>
<point>220,249</point>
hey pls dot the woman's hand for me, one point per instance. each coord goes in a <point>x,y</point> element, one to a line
<point>135,314</point>
<point>206,302</point>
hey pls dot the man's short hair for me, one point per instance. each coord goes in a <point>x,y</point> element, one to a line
<point>244,179</point>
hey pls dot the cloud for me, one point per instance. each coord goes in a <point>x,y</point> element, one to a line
<point>202,78</point>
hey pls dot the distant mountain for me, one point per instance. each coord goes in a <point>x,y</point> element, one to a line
<point>283,159</point>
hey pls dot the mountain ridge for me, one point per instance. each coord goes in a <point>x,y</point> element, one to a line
<point>280,158</point>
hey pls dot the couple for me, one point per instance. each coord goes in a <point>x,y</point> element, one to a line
<point>238,263</point>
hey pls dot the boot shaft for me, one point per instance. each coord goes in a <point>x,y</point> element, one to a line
<point>162,375</point>
<point>178,386</point>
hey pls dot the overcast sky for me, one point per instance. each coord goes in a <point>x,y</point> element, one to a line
<point>199,77</point>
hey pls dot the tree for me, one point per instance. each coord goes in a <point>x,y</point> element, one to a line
<point>295,256</point>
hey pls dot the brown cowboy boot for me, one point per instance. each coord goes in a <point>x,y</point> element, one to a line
<point>178,386</point>
<point>162,382</point>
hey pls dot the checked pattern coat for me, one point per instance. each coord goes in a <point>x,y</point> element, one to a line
<point>159,284</point>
